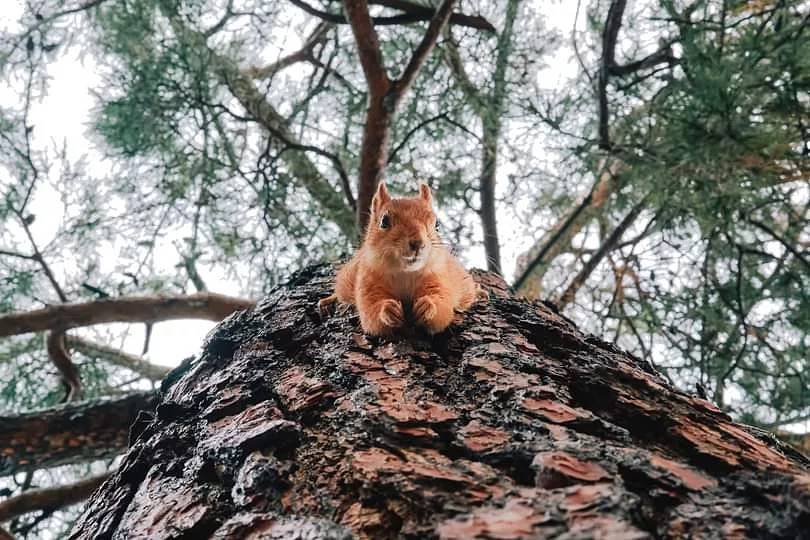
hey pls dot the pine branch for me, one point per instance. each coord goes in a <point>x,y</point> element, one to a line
<point>210,306</point>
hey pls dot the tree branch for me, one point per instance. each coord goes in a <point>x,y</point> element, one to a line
<point>383,95</point>
<point>552,243</point>
<point>114,356</point>
<point>37,256</point>
<point>210,306</point>
<point>761,226</point>
<point>55,344</point>
<point>609,37</point>
<point>423,123</point>
<point>303,54</point>
<point>256,104</point>
<point>368,46</point>
<point>412,13</point>
<point>51,498</point>
<point>69,433</point>
<point>597,257</point>
<point>437,23</point>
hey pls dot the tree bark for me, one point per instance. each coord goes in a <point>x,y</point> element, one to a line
<point>512,424</point>
<point>69,434</point>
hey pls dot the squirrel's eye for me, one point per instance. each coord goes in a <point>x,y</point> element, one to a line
<point>385,221</point>
<point>437,225</point>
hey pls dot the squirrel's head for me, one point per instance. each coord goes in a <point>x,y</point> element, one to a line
<point>402,231</point>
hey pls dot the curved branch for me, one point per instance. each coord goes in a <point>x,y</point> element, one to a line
<point>413,13</point>
<point>117,357</point>
<point>50,498</point>
<point>437,23</point>
<point>606,247</point>
<point>210,306</point>
<point>423,123</point>
<point>60,358</point>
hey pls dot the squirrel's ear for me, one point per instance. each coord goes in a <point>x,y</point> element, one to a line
<point>380,197</point>
<point>424,192</point>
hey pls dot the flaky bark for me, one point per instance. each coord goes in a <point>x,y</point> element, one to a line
<point>69,434</point>
<point>512,424</point>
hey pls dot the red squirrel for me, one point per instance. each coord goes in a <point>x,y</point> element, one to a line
<point>402,266</point>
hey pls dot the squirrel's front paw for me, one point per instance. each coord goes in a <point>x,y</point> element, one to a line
<point>326,305</point>
<point>391,313</point>
<point>424,309</point>
<point>433,312</point>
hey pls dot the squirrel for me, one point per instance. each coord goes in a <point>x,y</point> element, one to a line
<point>402,266</point>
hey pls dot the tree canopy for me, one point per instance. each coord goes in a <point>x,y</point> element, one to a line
<point>643,165</point>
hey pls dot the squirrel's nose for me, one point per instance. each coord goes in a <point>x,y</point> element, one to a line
<point>416,245</point>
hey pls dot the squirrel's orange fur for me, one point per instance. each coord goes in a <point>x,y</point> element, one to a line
<point>403,267</point>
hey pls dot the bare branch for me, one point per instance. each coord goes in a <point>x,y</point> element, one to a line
<point>412,13</point>
<point>437,23</point>
<point>787,245</point>
<point>609,243</point>
<point>368,46</point>
<point>43,20</point>
<point>137,364</point>
<point>552,244</point>
<point>423,123</point>
<point>303,54</point>
<point>210,306</point>
<point>51,498</point>
<point>37,256</point>
<point>60,358</point>
<point>6,253</point>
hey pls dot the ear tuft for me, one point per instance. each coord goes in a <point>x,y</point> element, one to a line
<point>381,197</point>
<point>425,193</point>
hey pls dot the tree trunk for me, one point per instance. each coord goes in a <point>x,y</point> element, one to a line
<point>512,424</point>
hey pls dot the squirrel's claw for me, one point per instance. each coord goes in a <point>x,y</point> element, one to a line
<point>391,313</point>
<point>481,294</point>
<point>325,306</point>
<point>424,309</point>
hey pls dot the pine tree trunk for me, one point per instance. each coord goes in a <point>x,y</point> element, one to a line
<point>513,424</point>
